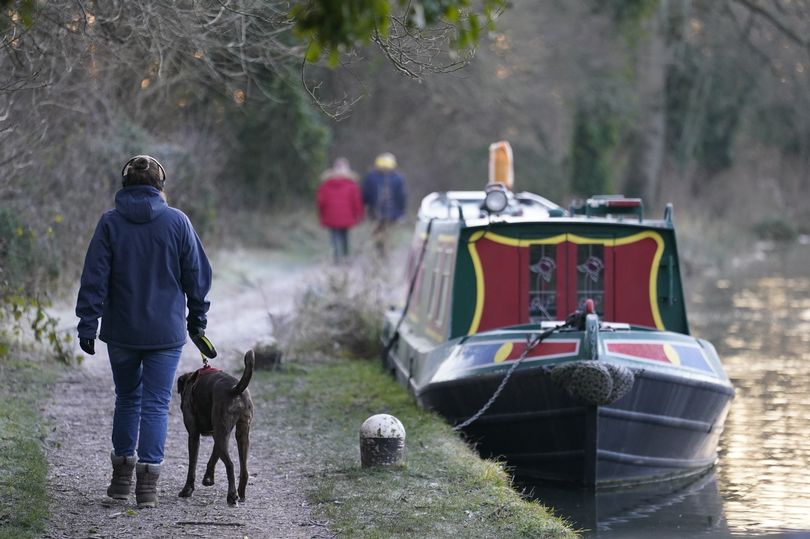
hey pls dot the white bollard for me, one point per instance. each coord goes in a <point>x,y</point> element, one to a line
<point>382,441</point>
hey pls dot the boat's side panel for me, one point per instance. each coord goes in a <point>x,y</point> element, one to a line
<point>431,301</point>
<point>662,427</point>
<point>532,424</point>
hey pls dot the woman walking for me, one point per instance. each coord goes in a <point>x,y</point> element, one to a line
<point>340,205</point>
<point>144,266</point>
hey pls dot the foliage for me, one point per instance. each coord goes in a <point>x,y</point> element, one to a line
<point>538,173</point>
<point>339,26</point>
<point>24,8</point>
<point>334,317</point>
<point>281,147</point>
<point>23,465</point>
<point>779,125</point>
<point>628,15</point>
<point>596,134</point>
<point>24,272</point>
<point>706,100</point>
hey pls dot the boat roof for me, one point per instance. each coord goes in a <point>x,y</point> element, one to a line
<point>526,207</point>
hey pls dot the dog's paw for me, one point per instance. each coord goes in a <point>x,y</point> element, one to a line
<point>208,480</point>
<point>187,491</point>
<point>232,499</point>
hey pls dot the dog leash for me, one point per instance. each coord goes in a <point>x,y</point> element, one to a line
<point>205,346</point>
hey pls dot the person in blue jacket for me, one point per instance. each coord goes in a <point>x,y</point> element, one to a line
<point>144,266</point>
<point>384,197</point>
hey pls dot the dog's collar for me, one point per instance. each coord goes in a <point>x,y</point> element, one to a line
<point>208,369</point>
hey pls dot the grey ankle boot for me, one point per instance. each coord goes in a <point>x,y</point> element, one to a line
<point>121,482</point>
<point>146,486</point>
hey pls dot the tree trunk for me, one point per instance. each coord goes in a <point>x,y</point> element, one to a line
<point>649,137</point>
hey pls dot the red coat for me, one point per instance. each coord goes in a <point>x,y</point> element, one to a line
<point>340,203</point>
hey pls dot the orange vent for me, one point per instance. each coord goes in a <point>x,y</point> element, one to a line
<point>501,169</point>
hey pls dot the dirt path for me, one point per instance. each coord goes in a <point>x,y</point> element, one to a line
<point>246,286</point>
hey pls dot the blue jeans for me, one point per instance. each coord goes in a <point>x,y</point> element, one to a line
<point>340,242</point>
<point>143,390</point>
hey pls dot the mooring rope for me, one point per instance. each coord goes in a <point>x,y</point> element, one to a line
<point>531,344</point>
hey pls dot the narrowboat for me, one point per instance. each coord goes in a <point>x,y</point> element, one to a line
<point>557,339</point>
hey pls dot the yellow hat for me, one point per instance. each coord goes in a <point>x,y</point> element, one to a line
<point>385,161</point>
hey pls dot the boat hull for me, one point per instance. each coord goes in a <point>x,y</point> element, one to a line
<point>665,427</point>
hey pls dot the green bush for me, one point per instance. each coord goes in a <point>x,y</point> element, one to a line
<point>25,270</point>
<point>337,316</point>
<point>281,148</point>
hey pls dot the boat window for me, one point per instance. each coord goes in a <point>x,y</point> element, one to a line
<point>591,276</point>
<point>417,291</point>
<point>444,286</point>
<point>431,297</point>
<point>437,300</point>
<point>542,282</point>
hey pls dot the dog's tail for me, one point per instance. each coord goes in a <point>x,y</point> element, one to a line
<point>241,386</point>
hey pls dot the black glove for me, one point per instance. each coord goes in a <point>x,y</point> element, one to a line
<point>203,343</point>
<point>88,345</point>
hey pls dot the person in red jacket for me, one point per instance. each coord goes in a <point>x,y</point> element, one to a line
<point>340,205</point>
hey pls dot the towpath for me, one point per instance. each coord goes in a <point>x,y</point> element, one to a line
<point>247,285</point>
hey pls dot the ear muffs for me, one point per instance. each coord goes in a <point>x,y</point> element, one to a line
<point>128,165</point>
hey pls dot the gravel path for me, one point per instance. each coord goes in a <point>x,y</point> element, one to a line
<point>245,283</point>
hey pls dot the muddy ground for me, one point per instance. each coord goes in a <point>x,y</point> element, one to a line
<point>246,286</point>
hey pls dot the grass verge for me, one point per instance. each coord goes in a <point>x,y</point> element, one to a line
<point>445,489</point>
<point>23,464</point>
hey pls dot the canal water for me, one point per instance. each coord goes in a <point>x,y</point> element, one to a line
<point>758,317</point>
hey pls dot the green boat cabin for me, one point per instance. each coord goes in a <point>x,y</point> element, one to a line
<point>536,262</point>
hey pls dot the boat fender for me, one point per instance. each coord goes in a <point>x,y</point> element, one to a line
<point>593,382</point>
<point>623,380</point>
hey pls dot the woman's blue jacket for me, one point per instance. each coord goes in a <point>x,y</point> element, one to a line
<point>145,264</point>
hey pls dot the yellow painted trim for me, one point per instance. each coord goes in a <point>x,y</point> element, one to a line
<point>554,240</point>
<point>503,352</point>
<point>672,354</point>
<point>479,282</point>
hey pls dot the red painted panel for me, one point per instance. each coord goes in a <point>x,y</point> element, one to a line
<point>633,264</point>
<point>502,284</point>
<point>640,350</point>
<point>610,285</point>
<point>544,349</point>
<point>523,293</point>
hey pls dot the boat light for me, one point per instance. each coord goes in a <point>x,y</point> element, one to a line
<point>496,199</point>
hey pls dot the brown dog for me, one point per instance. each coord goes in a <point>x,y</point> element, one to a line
<point>213,403</point>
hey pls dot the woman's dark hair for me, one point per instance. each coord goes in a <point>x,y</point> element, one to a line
<point>143,170</point>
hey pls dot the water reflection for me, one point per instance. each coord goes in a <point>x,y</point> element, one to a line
<point>690,509</point>
<point>760,324</point>
<point>759,321</point>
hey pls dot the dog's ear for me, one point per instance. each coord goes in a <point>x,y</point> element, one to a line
<point>183,380</point>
